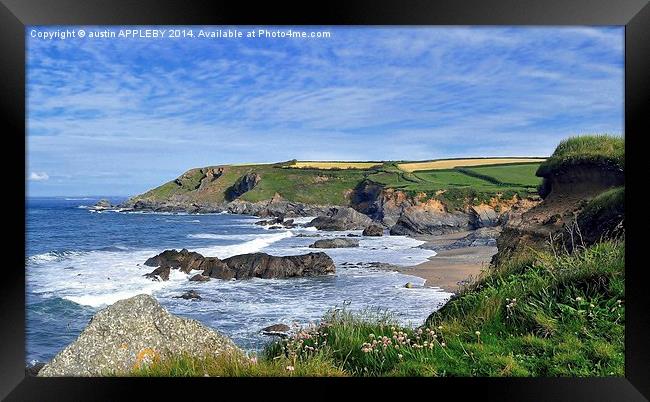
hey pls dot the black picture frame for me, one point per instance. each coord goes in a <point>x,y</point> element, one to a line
<point>16,14</point>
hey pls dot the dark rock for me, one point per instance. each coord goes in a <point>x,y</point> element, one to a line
<point>245,183</point>
<point>341,218</point>
<point>263,265</point>
<point>242,266</point>
<point>158,274</point>
<point>381,204</point>
<point>189,295</point>
<point>277,330</point>
<point>184,260</point>
<point>421,221</point>
<point>335,243</point>
<point>483,216</point>
<point>103,204</point>
<point>353,235</point>
<point>373,230</point>
<point>273,221</point>
<point>483,237</point>
<point>277,223</point>
<point>200,278</point>
<point>215,268</point>
<point>32,371</point>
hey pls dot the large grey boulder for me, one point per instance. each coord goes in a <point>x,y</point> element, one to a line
<point>341,218</point>
<point>335,243</point>
<point>132,333</point>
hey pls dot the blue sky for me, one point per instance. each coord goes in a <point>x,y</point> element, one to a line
<point>119,116</point>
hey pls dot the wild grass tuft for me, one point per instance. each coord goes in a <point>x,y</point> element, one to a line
<point>599,149</point>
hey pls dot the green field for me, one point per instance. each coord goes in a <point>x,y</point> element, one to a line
<point>518,175</point>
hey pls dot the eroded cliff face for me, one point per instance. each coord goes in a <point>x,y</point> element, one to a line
<point>557,219</point>
<point>404,214</point>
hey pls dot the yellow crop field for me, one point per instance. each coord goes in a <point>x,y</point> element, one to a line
<point>331,165</point>
<point>453,163</point>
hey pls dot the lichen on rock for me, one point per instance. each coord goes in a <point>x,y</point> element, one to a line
<point>132,333</point>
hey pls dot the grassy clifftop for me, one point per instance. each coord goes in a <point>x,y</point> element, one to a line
<point>596,149</point>
<point>327,183</point>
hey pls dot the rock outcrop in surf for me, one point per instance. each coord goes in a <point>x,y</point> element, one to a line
<point>259,265</point>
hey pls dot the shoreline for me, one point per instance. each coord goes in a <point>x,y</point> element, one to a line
<point>450,266</point>
<point>447,270</point>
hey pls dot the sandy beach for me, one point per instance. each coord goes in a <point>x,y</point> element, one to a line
<point>450,266</point>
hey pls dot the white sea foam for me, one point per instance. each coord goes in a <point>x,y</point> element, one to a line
<point>145,286</point>
<point>258,243</point>
<point>303,219</point>
<point>94,278</point>
<point>240,308</point>
<point>224,236</point>
<point>398,250</point>
<point>53,256</point>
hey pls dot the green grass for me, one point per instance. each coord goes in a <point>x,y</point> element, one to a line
<point>612,199</point>
<point>600,149</point>
<point>237,365</point>
<point>307,186</point>
<point>517,175</point>
<point>538,315</point>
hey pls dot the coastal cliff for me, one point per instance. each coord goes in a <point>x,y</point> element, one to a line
<point>583,201</point>
<point>278,190</point>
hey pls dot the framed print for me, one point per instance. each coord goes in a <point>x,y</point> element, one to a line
<point>375,194</point>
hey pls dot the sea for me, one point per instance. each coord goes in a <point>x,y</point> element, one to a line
<point>79,261</point>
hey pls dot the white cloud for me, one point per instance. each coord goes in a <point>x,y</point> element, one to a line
<point>390,93</point>
<point>39,176</point>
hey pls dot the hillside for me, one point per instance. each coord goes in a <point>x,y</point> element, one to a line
<point>381,190</point>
